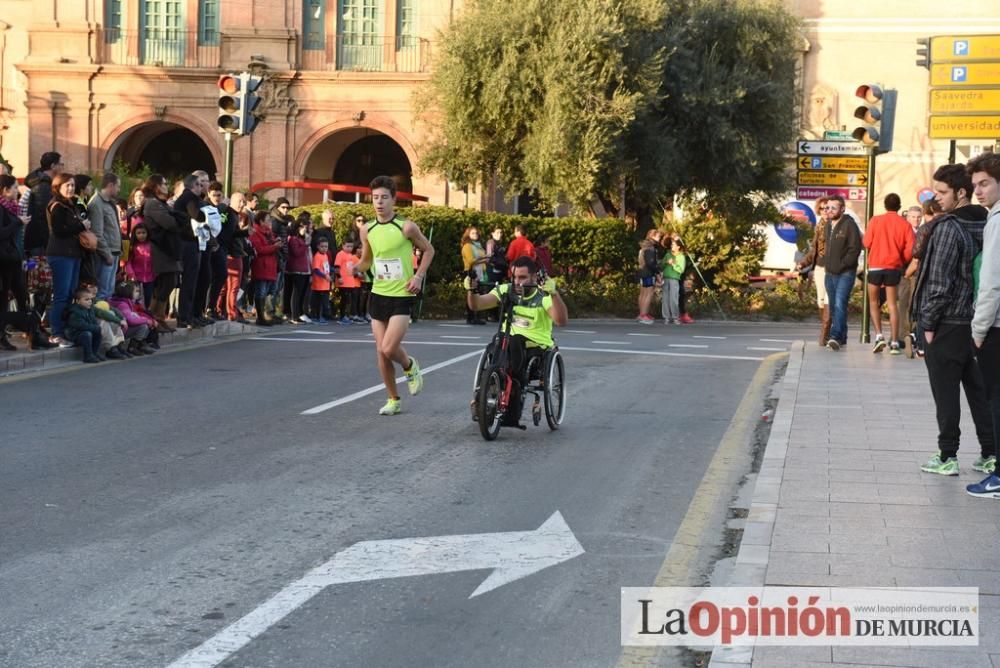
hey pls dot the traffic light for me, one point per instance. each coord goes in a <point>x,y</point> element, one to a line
<point>878,115</point>
<point>250,101</point>
<point>924,52</point>
<point>237,99</point>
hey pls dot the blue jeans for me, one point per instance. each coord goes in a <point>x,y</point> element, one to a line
<point>65,278</point>
<point>838,291</point>
<point>106,278</point>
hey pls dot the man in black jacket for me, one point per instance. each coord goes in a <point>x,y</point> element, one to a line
<point>36,234</point>
<point>942,305</point>
<point>843,246</point>
<point>189,204</point>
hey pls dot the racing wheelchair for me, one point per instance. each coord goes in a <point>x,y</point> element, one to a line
<point>495,382</point>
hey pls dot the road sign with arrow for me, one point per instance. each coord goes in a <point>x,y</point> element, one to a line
<point>810,147</point>
<point>833,178</point>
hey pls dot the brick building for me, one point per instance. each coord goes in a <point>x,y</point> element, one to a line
<point>135,80</point>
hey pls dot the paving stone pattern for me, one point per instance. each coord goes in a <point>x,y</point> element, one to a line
<point>841,501</point>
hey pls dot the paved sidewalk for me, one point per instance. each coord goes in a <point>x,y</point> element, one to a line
<point>840,501</point>
<point>26,361</point>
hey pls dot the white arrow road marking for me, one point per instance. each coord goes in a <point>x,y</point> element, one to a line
<point>375,388</point>
<point>511,555</point>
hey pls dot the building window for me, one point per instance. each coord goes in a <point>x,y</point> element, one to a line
<point>313,24</point>
<point>360,22</point>
<point>406,28</point>
<point>112,21</point>
<point>208,22</point>
<point>359,35</point>
<point>162,36</point>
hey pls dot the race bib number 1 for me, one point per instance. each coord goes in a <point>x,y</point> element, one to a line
<point>388,269</point>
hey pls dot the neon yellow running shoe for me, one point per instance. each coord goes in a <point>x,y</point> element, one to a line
<point>414,379</point>
<point>942,467</point>
<point>392,407</point>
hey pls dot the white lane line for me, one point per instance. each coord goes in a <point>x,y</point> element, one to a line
<point>686,345</point>
<point>305,331</point>
<point>407,342</point>
<point>614,343</point>
<point>445,336</point>
<point>776,341</point>
<point>718,338</point>
<point>661,353</point>
<point>644,335</point>
<point>378,388</point>
<point>447,325</point>
<point>579,331</point>
<point>777,350</point>
<point>654,353</point>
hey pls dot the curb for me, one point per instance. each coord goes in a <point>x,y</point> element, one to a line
<point>751,560</point>
<point>26,362</point>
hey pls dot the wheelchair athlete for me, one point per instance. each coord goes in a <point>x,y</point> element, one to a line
<point>534,313</point>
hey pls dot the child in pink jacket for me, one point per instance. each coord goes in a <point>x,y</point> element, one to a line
<point>127,299</point>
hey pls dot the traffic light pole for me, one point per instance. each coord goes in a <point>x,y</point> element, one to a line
<point>869,212</point>
<point>227,174</point>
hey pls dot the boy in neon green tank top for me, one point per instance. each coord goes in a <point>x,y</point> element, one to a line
<point>387,247</point>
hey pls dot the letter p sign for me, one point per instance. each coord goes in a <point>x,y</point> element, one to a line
<point>961,47</point>
<point>959,74</point>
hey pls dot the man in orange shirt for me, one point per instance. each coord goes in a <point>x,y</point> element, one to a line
<point>889,242</point>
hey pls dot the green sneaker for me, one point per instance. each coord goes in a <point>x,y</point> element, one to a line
<point>985,464</point>
<point>414,379</point>
<point>946,467</point>
<point>392,407</point>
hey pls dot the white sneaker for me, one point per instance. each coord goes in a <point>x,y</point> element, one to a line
<point>304,318</point>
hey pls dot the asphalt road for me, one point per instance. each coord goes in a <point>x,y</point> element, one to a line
<point>147,505</point>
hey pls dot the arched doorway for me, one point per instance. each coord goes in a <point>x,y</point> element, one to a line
<point>354,157</point>
<point>167,148</point>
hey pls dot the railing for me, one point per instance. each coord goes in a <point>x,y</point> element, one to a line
<point>368,53</point>
<point>160,48</point>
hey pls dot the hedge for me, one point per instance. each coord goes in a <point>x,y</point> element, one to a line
<point>581,248</point>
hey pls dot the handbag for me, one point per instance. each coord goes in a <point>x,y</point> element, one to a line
<point>88,240</point>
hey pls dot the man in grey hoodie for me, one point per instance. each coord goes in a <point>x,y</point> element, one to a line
<point>985,173</point>
<point>942,304</point>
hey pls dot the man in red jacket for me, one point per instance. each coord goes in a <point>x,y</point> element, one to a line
<point>520,246</point>
<point>889,243</point>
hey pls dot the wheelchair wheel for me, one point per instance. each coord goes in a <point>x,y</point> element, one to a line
<point>555,391</point>
<point>488,404</point>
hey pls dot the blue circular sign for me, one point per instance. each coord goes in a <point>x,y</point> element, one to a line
<point>796,211</point>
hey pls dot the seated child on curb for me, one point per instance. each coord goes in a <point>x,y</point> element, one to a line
<point>82,327</point>
<point>113,328</point>
<point>143,338</point>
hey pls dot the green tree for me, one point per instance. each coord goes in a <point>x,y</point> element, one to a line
<point>576,98</point>
<point>544,93</point>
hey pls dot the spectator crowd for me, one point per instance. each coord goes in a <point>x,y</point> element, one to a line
<point>84,266</point>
